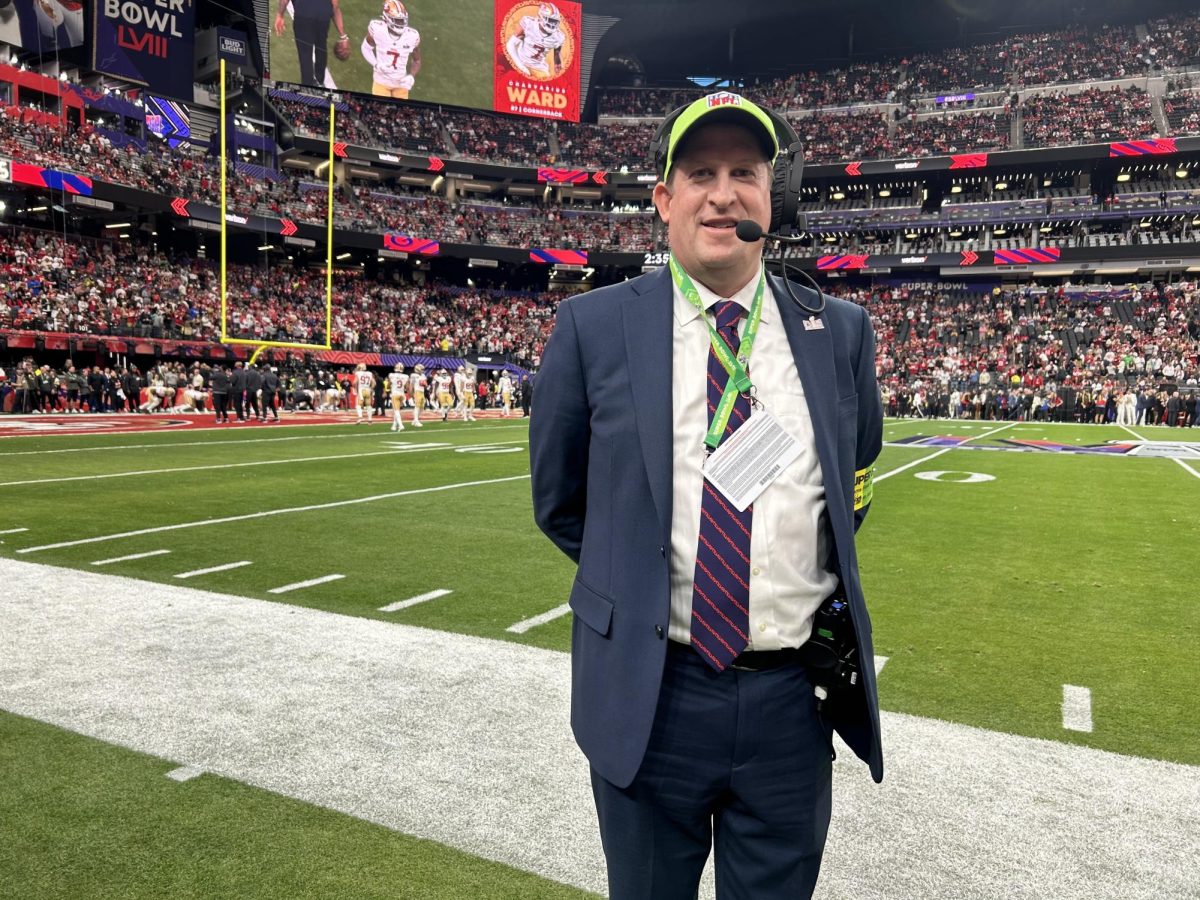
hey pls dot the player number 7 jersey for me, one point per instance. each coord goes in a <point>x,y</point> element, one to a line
<point>392,52</point>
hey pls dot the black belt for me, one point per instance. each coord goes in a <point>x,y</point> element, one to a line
<point>760,660</point>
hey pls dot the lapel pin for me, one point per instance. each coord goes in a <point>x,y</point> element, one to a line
<point>812,323</point>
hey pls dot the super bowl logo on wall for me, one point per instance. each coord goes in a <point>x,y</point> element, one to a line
<point>537,59</point>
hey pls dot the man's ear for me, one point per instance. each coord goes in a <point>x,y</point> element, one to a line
<point>662,201</point>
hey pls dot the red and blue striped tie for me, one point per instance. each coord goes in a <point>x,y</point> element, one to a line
<point>721,585</point>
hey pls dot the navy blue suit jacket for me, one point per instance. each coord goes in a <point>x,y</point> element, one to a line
<point>601,450</point>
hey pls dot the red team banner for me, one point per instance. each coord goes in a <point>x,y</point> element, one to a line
<point>537,49</point>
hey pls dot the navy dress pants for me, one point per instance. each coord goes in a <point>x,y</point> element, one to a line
<point>739,763</point>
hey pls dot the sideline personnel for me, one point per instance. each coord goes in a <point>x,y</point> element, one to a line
<point>692,691</point>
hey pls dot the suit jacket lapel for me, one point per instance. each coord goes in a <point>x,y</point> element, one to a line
<point>813,352</point>
<point>647,321</point>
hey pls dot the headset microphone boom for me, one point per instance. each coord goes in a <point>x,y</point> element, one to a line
<point>750,231</point>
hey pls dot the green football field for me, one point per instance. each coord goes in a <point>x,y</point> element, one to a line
<point>456,51</point>
<point>994,577</point>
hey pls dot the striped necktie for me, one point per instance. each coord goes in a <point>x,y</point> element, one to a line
<point>721,585</point>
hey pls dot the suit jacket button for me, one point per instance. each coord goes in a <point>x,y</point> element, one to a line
<point>662,549</point>
<point>658,631</point>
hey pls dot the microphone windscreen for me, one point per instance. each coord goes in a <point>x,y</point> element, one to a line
<point>749,231</point>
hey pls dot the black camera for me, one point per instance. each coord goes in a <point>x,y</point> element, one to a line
<point>833,649</point>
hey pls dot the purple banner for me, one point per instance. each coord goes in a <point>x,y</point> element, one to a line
<point>954,98</point>
<point>150,42</point>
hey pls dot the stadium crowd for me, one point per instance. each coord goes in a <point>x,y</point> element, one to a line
<point>1090,116</point>
<point>1045,341</point>
<point>1053,354</point>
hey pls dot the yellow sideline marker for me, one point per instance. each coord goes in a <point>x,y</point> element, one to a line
<point>263,345</point>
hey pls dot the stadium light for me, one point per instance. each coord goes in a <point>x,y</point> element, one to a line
<point>1145,223</point>
<point>266,247</point>
<point>1045,229</point>
<point>36,209</point>
<point>999,230</point>
<point>114,224</point>
<point>345,255</point>
<point>1001,185</point>
<point>956,188</point>
<point>956,233</point>
<point>885,193</point>
<point>838,195</point>
<point>1181,173</point>
<point>1124,176</point>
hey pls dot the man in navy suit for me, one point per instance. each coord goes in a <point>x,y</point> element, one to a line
<point>692,685</point>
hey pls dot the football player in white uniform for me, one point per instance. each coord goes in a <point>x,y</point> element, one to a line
<point>418,383</point>
<point>364,390</point>
<point>393,50</point>
<point>441,388</point>
<point>398,385</point>
<point>504,389</point>
<point>469,391</point>
<point>460,391</point>
<point>535,40</point>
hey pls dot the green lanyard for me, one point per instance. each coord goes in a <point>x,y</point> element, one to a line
<point>739,380</point>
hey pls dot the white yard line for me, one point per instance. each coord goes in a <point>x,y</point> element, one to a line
<point>1188,468</point>
<point>185,773</point>
<point>13,530</point>
<point>266,462</point>
<point>299,585</point>
<point>1077,708</point>
<point>925,459</point>
<point>357,435</point>
<point>525,624</point>
<point>880,661</point>
<point>271,512</point>
<point>1182,464</point>
<point>413,601</point>
<point>131,556</point>
<point>211,569</point>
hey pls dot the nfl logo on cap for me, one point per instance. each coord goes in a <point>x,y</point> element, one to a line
<point>724,98</point>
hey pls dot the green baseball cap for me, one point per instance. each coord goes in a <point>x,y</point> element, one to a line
<point>723,107</point>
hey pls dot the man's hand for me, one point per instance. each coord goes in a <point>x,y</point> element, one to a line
<point>407,82</point>
<point>342,48</point>
<point>279,24</point>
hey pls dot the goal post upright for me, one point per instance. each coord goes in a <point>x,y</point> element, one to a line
<point>261,345</point>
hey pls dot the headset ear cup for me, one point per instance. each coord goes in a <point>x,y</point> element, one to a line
<point>779,183</point>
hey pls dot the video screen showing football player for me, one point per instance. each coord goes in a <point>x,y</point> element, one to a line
<point>536,48</point>
<point>393,48</point>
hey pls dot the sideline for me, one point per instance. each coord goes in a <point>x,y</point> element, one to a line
<point>465,740</point>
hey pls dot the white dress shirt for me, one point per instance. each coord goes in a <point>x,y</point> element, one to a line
<point>791,551</point>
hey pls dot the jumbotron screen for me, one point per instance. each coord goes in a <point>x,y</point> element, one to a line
<point>511,56</point>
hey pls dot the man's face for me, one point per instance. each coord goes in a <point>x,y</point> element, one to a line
<point>720,178</point>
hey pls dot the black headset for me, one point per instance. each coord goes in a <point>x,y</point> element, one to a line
<point>785,180</point>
